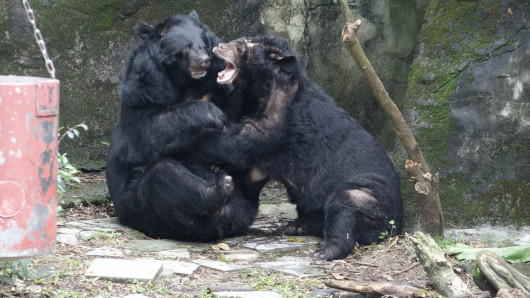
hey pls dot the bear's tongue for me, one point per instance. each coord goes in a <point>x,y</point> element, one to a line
<point>227,74</point>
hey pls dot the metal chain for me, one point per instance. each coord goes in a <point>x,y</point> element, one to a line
<point>39,39</point>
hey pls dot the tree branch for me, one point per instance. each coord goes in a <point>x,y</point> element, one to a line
<point>431,216</point>
<point>380,289</point>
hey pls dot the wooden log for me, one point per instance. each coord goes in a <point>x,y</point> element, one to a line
<point>500,274</point>
<point>381,289</point>
<point>438,269</point>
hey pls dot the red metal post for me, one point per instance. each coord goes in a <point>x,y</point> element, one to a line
<point>29,114</point>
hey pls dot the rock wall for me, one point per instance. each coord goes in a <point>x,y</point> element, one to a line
<point>468,101</point>
<point>89,41</point>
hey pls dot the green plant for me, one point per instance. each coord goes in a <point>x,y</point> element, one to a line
<point>66,171</point>
<point>206,294</point>
<point>272,256</point>
<point>514,254</point>
<point>385,234</point>
<point>260,280</point>
<point>14,269</point>
<point>109,237</point>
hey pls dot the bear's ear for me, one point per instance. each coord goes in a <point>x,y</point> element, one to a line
<point>144,30</point>
<point>194,15</point>
<point>288,64</point>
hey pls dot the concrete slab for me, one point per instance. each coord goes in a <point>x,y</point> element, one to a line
<point>195,246</point>
<point>171,267</point>
<point>106,252</point>
<point>152,245</point>
<point>67,239</point>
<point>221,266</point>
<point>181,253</point>
<point>140,269</point>
<point>282,245</point>
<point>248,257</point>
<point>300,268</point>
<point>102,223</point>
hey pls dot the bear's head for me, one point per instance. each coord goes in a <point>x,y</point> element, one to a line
<point>250,59</point>
<point>179,43</point>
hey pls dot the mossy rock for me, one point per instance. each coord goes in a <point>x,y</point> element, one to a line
<point>464,109</point>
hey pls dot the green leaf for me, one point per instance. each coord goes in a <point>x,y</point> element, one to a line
<point>513,254</point>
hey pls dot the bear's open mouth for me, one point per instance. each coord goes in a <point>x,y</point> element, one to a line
<point>227,75</point>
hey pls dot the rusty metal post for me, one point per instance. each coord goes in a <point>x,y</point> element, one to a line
<point>29,114</point>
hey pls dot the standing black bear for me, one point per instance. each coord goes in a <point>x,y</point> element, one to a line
<point>154,188</point>
<point>341,179</point>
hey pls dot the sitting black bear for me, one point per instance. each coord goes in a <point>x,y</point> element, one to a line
<point>154,188</point>
<point>345,186</point>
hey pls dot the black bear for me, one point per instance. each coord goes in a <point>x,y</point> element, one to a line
<point>345,186</point>
<point>154,188</point>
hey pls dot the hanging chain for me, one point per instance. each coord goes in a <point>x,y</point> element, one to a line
<point>39,39</point>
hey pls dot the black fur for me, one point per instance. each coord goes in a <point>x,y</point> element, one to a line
<point>345,186</point>
<point>155,189</point>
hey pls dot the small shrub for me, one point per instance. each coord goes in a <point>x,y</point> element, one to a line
<point>66,171</point>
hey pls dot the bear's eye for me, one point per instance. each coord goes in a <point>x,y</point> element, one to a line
<point>185,51</point>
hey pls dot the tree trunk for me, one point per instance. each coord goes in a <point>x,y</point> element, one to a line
<point>431,217</point>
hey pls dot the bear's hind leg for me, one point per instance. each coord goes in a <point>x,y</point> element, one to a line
<point>339,227</point>
<point>180,196</point>
<point>342,216</point>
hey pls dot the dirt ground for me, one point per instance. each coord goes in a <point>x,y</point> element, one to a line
<point>391,261</point>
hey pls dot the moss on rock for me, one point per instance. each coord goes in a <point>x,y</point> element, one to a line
<point>456,36</point>
<point>506,203</point>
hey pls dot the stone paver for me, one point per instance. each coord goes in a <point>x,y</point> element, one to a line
<point>300,267</point>
<point>106,223</point>
<point>98,224</point>
<point>194,246</point>
<point>152,245</point>
<point>181,253</point>
<point>248,257</point>
<point>67,238</point>
<point>140,269</point>
<point>221,266</point>
<point>282,245</point>
<point>178,267</point>
<point>105,251</point>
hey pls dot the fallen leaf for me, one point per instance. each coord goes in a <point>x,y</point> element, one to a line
<point>294,239</point>
<point>221,246</point>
